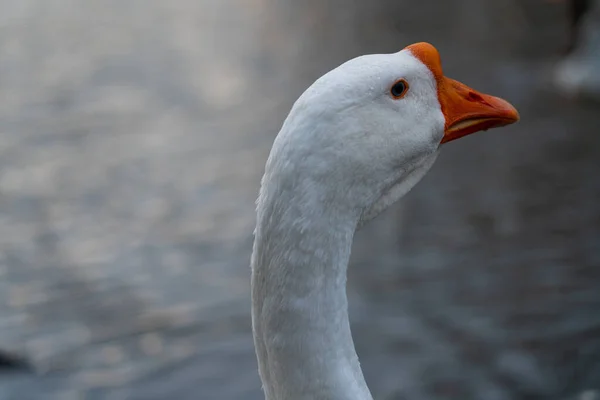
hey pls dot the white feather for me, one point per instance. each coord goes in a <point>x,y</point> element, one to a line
<point>346,151</point>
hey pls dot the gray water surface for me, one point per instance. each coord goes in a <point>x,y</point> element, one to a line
<point>133,135</point>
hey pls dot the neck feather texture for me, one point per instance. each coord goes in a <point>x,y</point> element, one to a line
<point>299,306</point>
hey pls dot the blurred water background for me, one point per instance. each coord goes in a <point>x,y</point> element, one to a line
<point>133,135</point>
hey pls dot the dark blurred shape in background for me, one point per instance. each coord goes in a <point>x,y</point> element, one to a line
<point>13,363</point>
<point>578,74</point>
<point>133,137</point>
<point>577,11</point>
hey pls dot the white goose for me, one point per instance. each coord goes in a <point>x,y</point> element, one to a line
<point>354,142</point>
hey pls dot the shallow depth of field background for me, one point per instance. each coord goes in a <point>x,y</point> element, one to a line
<point>133,135</point>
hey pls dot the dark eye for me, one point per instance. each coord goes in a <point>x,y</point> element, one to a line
<point>399,89</point>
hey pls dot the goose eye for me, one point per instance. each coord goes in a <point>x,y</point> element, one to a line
<point>399,89</point>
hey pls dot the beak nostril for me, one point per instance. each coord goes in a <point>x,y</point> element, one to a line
<point>476,97</point>
<point>472,96</point>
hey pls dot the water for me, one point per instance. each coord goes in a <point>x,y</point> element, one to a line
<point>134,135</point>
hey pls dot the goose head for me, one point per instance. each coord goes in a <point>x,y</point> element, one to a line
<point>367,131</point>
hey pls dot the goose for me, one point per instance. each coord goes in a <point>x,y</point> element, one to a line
<point>358,139</point>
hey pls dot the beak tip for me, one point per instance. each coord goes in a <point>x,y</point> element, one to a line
<point>510,111</point>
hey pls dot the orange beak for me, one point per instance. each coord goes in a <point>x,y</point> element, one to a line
<point>466,111</point>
